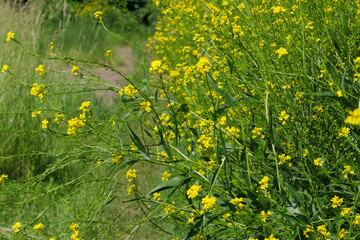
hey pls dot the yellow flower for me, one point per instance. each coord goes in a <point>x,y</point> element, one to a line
<point>38,90</point>
<point>264,183</point>
<point>117,158</point>
<point>339,93</point>
<point>193,191</point>
<point>74,70</point>
<point>35,113</point>
<point>356,220</point>
<point>38,227</point>
<point>5,68</point>
<point>131,174</point>
<point>354,118</point>
<point>16,227</point>
<point>3,177</point>
<point>130,90</point>
<point>271,237</point>
<point>145,106</point>
<point>345,211</point>
<point>108,53</point>
<point>336,201</point>
<point>10,35</point>
<point>344,132</point>
<point>209,203</point>
<point>238,202</point>
<point>318,162</point>
<point>283,117</point>
<point>85,107</point>
<point>132,189</point>
<point>281,52</point>
<point>307,230</point>
<point>323,231</point>
<point>264,215</point>
<point>156,67</point>
<point>156,196</point>
<point>347,170</point>
<point>278,9</point>
<point>203,66</point>
<point>44,123</point>
<point>166,176</point>
<point>283,158</point>
<point>58,116</point>
<point>170,208</point>
<point>41,70</point>
<point>99,15</point>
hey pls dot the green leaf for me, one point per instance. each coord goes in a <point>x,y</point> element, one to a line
<point>299,198</point>
<point>139,145</point>
<point>174,182</point>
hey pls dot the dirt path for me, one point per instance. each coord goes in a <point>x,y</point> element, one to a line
<point>127,56</point>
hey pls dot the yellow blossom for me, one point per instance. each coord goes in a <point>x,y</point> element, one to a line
<point>3,177</point>
<point>336,201</point>
<point>238,202</point>
<point>41,70</point>
<point>318,162</point>
<point>339,93</point>
<point>130,90</point>
<point>74,70</point>
<point>10,35</point>
<point>99,15</point>
<point>156,196</point>
<point>354,118</point>
<point>58,116</point>
<point>323,231</point>
<point>35,113</point>
<point>271,237</point>
<point>344,132</point>
<point>131,174</point>
<point>264,183</point>
<point>132,189</point>
<point>44,123</point>
<point>5,68</point>
<point>156,67</point>
<point>85,107</point>
<point>281,52</point>
<point>193,191</point>
<point>166,176</point>
<point>209,203</point>
<point>356,220</point>
<point>108,53</point>
<point>203,66</point>
<point>283,117</point>
<point>38,91</point>
<point>264,215</point>
<point>347,170</point>
<point>345,211</point>
<point>145,106</point>
<point>16,227</point>
<point>38,227</point>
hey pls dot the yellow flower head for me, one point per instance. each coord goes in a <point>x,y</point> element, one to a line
<point>99,15</point>
<point>209,203</point>
<point>156,67</point>
<point>193,191</point>
<point>145,106</point>
<point>10,36</point>
<point>41,70</point>
<point>336,201</point>
<point>264,183</point>
<point>44,123</point>
<point>318,162</point>
<point>108,53</point>
<point>3,177</point>
<point>16,227</point>
<point>156,196</point>
<point>238,202</point>
<point>5,68</point>
<point>354,118</point>
<point>281,52</point>
<point>38,227</point>
<point>35,113</point>
<point>166,176</point>
<point>74,70</point>
<point>131,174</point>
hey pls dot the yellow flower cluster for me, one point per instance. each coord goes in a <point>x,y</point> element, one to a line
<point>281,52</point>
<point>193,191</point>
<point>75,228</point>
<point>166,176</point>
<point>38,91</point>
<point>39,227</point>
<point>318,162</point>
<point>344,132</point>
<point>347,171</point>
<point>41,70</point>
<point>265,215</point>
<point>156,67</point>
<point>75,70</point>
<point>209,203</point>
<point>283,158</point>
<point>354,118</point>
<point>35,113</point>
<point>336,201</point>
<point>145,106</point>
<point>10,35</point>
<point>5,68</point>
<point>99,15</point>
<point>264,183</point>
<point>238,202</point>
<point>131,174</point>
<point>3,177</point>
<point>283,117</point>
<point>17,227</point>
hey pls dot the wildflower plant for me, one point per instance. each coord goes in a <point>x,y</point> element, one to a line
<point>241,100</point>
